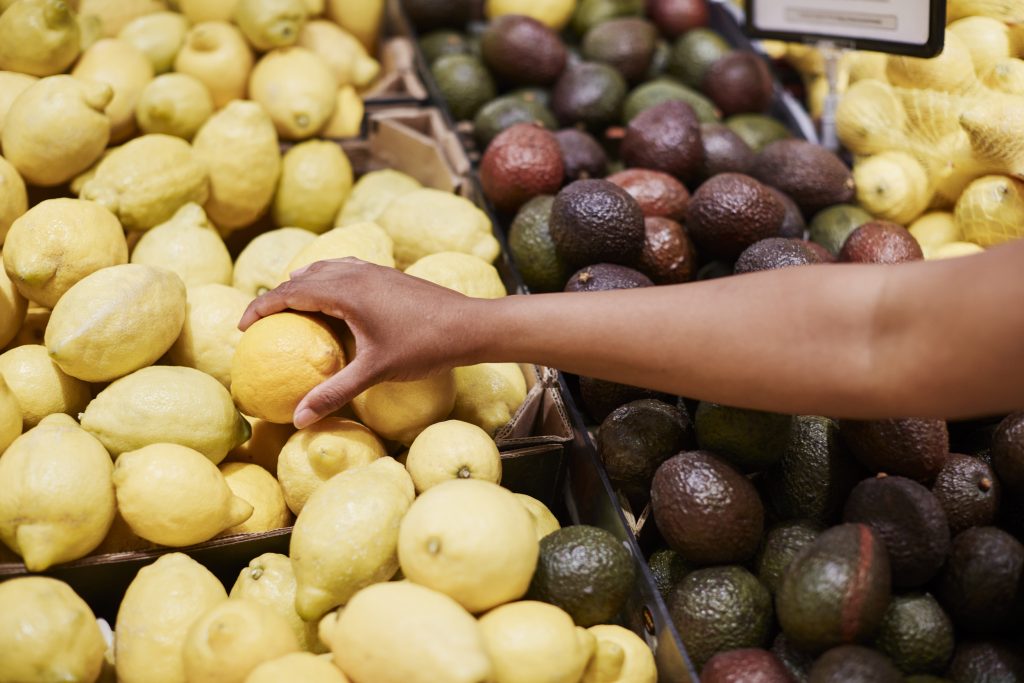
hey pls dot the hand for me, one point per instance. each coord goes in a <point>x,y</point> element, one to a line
<point>404,327</point>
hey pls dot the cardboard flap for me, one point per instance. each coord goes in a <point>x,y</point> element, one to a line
<point>398,80</point>
<point>542,417</point>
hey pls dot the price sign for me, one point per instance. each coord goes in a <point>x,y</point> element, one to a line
<point>908,27</point>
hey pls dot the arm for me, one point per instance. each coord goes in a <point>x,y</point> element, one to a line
<point>941,339</point>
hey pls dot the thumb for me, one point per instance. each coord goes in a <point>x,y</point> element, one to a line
<point>333,393</point>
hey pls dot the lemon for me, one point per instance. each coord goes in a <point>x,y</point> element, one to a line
<point>158,608</point>
<point>270,580</point>
<point>315,454</point>
<point>39,384</point>
<point>210,334</point>
<point>13,308</point>
<point>951,71</point>
<point>173,495</point>
<point>544,522</point>
<point>189,245</point>
<point>174,104</point>
<point>373,193</point>
<point>58,501</point>
<point>38,37</point>
<point>265,444</point>
<point>361,18</point>
<point>47,632</point>
<point>429,221</point>
<point>552,13</point>
<point>116,321</point>
<point>399,411</point>
<point>34,325</point>
<point>341,51</point>
<point>452,450</point>
<point>935,229</point>
<point>158,36</point>
<point>215,53</point>
<point>56,104</point>
<point>58,242</point>
<point>257,487</point>
<point>482,559</point>
<point>488,394</point>
<point>116,14</point>
<point>632,660</point>
<point>207,10</point>
<point>399,632</point>
<point>10,416</point>
<point>347,119</point>
<point>464,273</point>
<point>90,30</point>
<point>346,536</point>
<point>892,186</point>
<point>986,39</point>
<point>166,404</point>
<point>239,147</point>
<point>955,249</point>
<point>259,266</point>
<point>13,197</point>
<point>301,666</point>
<point>861,65</point>
<point>279,359</point>
<point>12,84</point>
<point>1006,75</point>
<point>316,178</point>
<point>296,88</point>
<point>269,24</point>
<point>991,210</point>
<point>127,70</point>
<point>994,129</point>
<point>534,642</point>
<point>870,118</point>
<point>366,241</point>
<point>121,539</point>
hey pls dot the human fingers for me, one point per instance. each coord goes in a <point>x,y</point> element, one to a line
<point>298,296</point>
<point>333,393</point>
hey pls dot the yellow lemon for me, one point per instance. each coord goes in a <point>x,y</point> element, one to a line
<point>39,385</point>
<point>302,666</point>
<point>216,54</point>
<point>315,454</point>
<point>373,193</point>
<point>10,416</point>
<point>316,178</point>
<point>141,313</point>
<point>347,119</point>
<point>279,359</point>
<point>38,37</point>
<point>346,536</point>
<point>361,18</point>
<point>296,88</point>
<point>13,195</point>
<point>268,24</point>
<point>207,10</point>
<point>955,249</point>
<point>12,84</point>
<point>158,36</point>
<point>90,30</point>
<point>34,325</point>
<point>121,539</point>
<point>174,104</point>
<point>452,450</point>
<point>257,487</point>
<point>991,210</point>
<point>398,632</point>
<point>488,394</point>
<point>464,273</point>
<point>265,444</point>
<point>13,309</point>
<point>160,605</point>
<point>259,266</point>
<point>620,657</point>
<point>58,242</point>
<point>365,241</point>
<point>173,495</point>
<point>988,40</point>
<point>951,71</point>
<point>552,13</point>
<point>47,632</point>
<point>935,229</point>
<point>127,70</point>
<point>399,411</point>
<point>58,501</point>
<point>210,334</point>
<point>892,186</point>
<point>344,55</point>
<point>189,245</point>
<point>116,14</point>
<point>544,522</point>
<point>1006,75</point>
<point>270,580</point>
<point>483,559</point>
<point>530,642</point>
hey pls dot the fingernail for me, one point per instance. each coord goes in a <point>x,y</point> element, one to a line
<point>303,418</point>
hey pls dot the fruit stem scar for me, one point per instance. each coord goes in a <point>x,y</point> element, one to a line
<point>433,545</point>
<point>464,472</point>
<point>985,484</point>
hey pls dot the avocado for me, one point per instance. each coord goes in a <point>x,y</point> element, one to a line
<point>659,90</point>
<point>836,590</point>
<point>812,176</point>
<point>774,253</point>
<point>706,510</point>
<point>985,662</point>
<point>793,225</point>
<point>665,137</point>
<point>814,475</point>
<point>626,43</point>
<point>713,270</point>
<point>853,664</point>
<point>520,50</point>
<point>582,156</point>
<point>595,221</point>
<point>739,83</point>
<point>968,491</point>
<point>909,520</point>
<point>658,194</point>
<point>667,569</point>
<point>981,585</point>
<point>533,251</point>
<point>541,96</point>
<point>880,242</point>
<point>751,440</point>
<point>757,130</point>
<point>504,112</point>
<point>637,437</point>
<point>1008,452</point>
<point>676,17</point>
<point>521,163</point>
<point>441,43</point>
<point>781,544</point>
<point>600,397</point>
<point>465,84</point>
<point>830,227</point>
<point>590,13</point>
<point>729,212</point>
<point>724,151</point>
<point>590,94</point>
<point>602,277</point>
<point>718,609</point>
<point>659,60</point>
<point>916,634</point>
<point>797,662</point>
<point>694,53</point>
<point>746,664</point>
<point>908,447</point>
<point>584,570</point>
<point>823,255</point>
<point>428,15</point>
<point>669,256</point>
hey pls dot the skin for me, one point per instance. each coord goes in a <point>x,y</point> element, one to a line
<point>939,339</point>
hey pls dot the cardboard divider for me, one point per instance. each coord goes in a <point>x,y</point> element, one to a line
<point>402,76</point>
